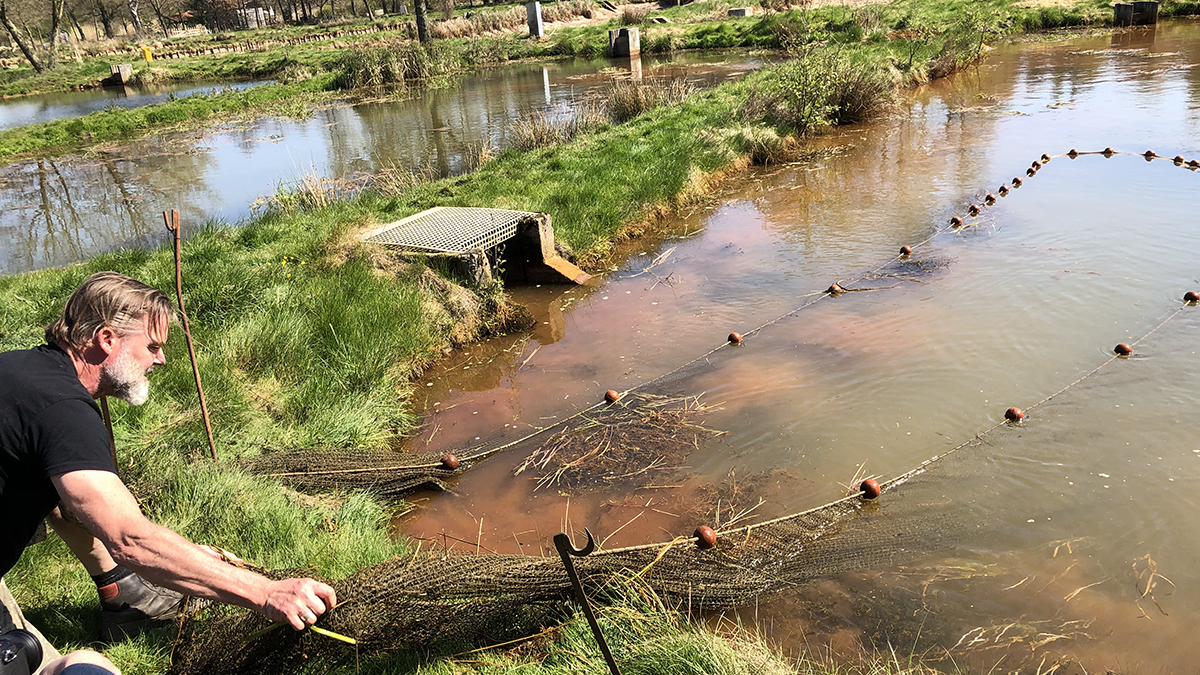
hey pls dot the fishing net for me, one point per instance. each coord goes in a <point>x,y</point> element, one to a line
<point>435,597</point>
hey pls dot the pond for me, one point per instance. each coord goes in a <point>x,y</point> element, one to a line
<point>55,211</point>
<point>1038,541</point>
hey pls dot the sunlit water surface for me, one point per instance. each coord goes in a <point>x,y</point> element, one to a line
<point>55,211</point>
<point>1049,519</point>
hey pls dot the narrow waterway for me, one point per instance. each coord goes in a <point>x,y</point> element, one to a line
<point>54,211</point>
<point>1029,546</point>
<point>38,108</point>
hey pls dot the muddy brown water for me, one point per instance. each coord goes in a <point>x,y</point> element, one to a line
<point>1053,518</point>
<point>58,210</point>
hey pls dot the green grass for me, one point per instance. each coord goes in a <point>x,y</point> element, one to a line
<point>120,123</point>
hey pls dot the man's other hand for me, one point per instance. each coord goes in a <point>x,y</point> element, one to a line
<point>298,601</point>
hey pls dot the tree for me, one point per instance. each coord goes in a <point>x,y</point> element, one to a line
<point>422,22</point>
<point>22,41</point>
<point>133,13</point>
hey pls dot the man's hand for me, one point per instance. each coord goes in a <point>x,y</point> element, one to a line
<point>105,508</point>
<point>298,601</point>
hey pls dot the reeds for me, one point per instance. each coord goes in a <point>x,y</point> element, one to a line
<point>542,129</point>
<point>627,99</point>
<point>634,15</point>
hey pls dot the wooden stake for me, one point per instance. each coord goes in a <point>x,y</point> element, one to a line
<point>172,221</point>
<point>112,440</point>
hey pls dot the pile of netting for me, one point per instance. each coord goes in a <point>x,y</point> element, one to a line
<point>439,597</point>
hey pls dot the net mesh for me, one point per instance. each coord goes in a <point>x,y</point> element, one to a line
<point>432,597</point>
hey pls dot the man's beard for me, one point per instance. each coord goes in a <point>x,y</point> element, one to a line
<point>125,380</point>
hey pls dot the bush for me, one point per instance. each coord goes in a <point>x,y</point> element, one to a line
<point>819,87</point>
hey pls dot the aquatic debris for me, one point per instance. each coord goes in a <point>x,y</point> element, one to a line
<point>1123,349</point>
<point>705,537</point>
<point>1014,414</point>
<point>644,440</point>
<point>835,289</point>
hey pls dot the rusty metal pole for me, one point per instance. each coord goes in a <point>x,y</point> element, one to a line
<point>172,221</point>
<point>562,542</point>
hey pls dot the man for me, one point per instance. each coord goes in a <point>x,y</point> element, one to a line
<point>55,457</point>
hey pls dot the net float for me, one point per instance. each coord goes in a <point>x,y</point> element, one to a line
<point>1014,414</point>
<point>990,199</point>
<point>705,537</point>
<point>1017,182</point>
<point>1149,154</point>
<point>612,396</point>
<point>1178,159</point>
<point>1195,163</point>
<point>735,338</point>
<point>1123,349</point>
<point>1191,296</point>
<point>1108,152</point>
<point>449,462</point>
<point>835,290</point>
<point>905,250</point>
<point>870,488</point>
<point>1003,190</point>
<point>1036,164</point>
<point>973,209</point>
<point>1073,153</point>
<point>1045,157</point>
<point>1031,172</point>
<point>956,221</point>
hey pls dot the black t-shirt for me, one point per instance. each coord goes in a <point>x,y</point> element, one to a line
<point>49,425</point>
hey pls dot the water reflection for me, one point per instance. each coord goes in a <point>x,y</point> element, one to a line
<point>17,112</point>
<point>215,175</point>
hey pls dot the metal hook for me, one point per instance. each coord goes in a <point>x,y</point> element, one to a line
<point>562,542</point>
<point>570,549</point>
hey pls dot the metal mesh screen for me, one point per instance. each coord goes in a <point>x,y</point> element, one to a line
<point>451,229</point>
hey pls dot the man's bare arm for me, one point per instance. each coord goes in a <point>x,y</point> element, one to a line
<point>103,505</point>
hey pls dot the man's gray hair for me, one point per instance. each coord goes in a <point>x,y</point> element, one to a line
<point>108,299</point>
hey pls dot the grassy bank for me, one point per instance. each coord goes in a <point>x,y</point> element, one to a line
<point>308,338</point>
<point>905,30</point>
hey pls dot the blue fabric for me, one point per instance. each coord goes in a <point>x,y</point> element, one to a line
<point>86,669</point>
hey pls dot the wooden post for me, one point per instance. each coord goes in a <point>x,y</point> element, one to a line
<point>172,221</point>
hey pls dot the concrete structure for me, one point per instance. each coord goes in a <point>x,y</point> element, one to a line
<point>740,11</point>
<point>1135,14</point>
<point>624,42</point>
<point>533,16</point>
<point>476,240</point>
<point>120,74</point>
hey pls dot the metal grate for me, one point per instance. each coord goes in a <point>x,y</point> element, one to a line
<point>451,229</point>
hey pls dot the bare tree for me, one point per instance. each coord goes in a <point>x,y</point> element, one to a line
<point>22,41</point>
<point>133,13</point>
